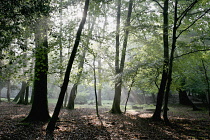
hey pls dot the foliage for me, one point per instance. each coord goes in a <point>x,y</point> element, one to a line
<point>82,98</point>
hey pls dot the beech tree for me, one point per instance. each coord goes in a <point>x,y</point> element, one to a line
<point>40,101</point>
<point>176,33</point>
<point>119,64</point>
<point>51,124</point>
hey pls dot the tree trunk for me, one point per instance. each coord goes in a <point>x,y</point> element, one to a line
<point>95,88</point>
<point>0,92</point>
<point>21,94</point>
<point>80,67</point>
<point>99,61</point>
<point>66,98</point>
<point>117,95</point>
<point>51,124</point>
<point>129,91</point>
<point>72,97</point>
<point>208,84</point>
<point>173,47</point>
<point>157,114</point>
<point>1,82</point>
<point>99,81</point>
<point>21,98</point>
<point>170,67</point>
<point>39,110</point>
<point>119,68</point>
<point>22,90</point>
<point>60,42</point>
<point>184,99</point>
<point>26,95</point>
<point>8,90</point>
<point>74,88</point>
<point>32,95</point>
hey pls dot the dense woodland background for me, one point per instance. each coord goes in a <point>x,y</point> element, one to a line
<point>120,53</point>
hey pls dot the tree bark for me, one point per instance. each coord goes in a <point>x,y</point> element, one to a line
<point>51,124</point>
<point>39,110</point>
<point>19,93</point>
<point>164,78</point>
<point>117,95</point>
<point>26,95</point>
<point>184,99</point>
<point>72,97</point>
<point>99,61</point>
<point>177,22</point>
<point>119,68</point>
<point>0,92</point>
<point>99,81</point>
<point>95,88</point>
<point>73,92</point>
<point>80,67</point>
<point>8,90</point>
<point>208,84</point>
<point>1,82</point>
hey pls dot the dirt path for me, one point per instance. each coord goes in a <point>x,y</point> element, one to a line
<point>82,124</point>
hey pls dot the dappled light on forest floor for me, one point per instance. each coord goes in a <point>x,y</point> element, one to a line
<point>82,123</point>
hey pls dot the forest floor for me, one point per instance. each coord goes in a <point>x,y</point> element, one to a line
<point>83,124</point>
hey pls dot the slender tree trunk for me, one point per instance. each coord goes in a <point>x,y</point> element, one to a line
<point>8,90</point>
<point>207,82</point>
<point>173,47</point>
<point>119,68</point>
<point>51,124</point>
<point>164,78</point>
<point>60,40</point>
<point>32,95</point>
<point>0,92</point>
<point>80,67</point>
<point>21,99</point>
<point>99,81</point>
<point>66,98</point>
<point>117,95</point>
<point>74,88</point>
<point>39,110</point>
<point>26,95</point>
<point>72,97</point>
<point>73,92</point>
<point>99,61</point>
<point>184,99</point>
<point>95,88</point>
<point>1,81</point>
<point>129,91</point>
<point>23,87</point>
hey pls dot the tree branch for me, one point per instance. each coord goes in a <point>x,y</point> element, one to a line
<point>184,13</point>
<point>158,4</point>
<point>187,9</point>
<point>192,52</point>
<point>193,22</point>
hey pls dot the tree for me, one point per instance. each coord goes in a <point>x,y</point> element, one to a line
<point>161,90</point>
<point>207,82</point>
<point>99,59</point>
<point>51,124</point>
<point>40,104</point>
<point>20,94</point>
<point>120,66</point>
<point>74,88</point>
<point>73,92</point>
<point>176,33</point>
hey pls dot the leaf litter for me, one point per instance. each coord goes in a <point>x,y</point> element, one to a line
<point>83,124</point>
